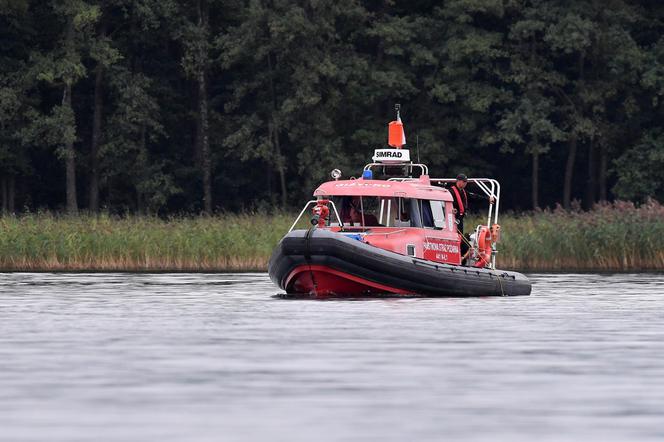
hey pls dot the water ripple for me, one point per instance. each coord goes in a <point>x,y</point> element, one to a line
<point>198,357</point>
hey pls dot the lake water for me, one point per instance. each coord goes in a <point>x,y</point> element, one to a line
<point>191,357</point>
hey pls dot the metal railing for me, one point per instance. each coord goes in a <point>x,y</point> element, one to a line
<point>491,188</point>
<point>423,167</point>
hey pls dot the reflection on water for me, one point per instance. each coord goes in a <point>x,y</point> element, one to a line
<point>216,357</point>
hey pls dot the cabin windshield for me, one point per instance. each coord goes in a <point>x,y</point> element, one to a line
<point>374,211</point>
<point>359,210</point>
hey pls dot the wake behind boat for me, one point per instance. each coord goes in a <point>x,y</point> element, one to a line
<point>392,231</point>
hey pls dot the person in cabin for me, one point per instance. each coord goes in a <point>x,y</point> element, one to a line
<point>344,213</point>
<point>351,213</point>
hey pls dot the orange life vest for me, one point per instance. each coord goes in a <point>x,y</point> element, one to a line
<point>460,201</point>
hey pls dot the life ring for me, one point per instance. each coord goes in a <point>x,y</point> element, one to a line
<point>484,241</point>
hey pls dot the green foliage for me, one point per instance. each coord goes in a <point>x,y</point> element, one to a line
<point>296,88</point>
<point>103,52</point>
<point>133,125</point>
<point>13,7</point>
<point>640,169</point>
<point>15,104</point>
<point>532,124</point>
<point>52,130</point>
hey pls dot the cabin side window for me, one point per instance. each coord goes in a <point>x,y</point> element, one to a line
<point>386,210</point>
<point>401,212</point>
<point>412,212</point>
<point>426,213</point>
<point>438,213</point>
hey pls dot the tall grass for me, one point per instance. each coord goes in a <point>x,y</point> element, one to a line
<point>55,243</point>
<point>612,237</point>
<point>617,237</point>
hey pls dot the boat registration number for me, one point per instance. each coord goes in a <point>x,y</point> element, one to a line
<point>442,250</point>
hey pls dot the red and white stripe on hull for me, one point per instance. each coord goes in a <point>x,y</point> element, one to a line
<point>319,280</point>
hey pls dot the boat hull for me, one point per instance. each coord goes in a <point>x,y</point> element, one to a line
<point>318,262</point>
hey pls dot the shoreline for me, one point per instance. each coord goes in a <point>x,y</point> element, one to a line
<point>254,271</point>
<point>615,238</point>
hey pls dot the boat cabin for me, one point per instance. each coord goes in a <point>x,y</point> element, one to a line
<point>407,217</point>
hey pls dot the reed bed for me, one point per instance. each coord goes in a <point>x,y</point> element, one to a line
<point>612,237</point>
<point>88,243</point>
<point>616,237</point>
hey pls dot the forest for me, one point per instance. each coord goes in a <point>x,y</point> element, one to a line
<point>189,107</point>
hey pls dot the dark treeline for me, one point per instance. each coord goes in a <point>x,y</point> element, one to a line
<point>163,106</point>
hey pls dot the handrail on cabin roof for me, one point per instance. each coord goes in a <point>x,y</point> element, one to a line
<point>423,167</point>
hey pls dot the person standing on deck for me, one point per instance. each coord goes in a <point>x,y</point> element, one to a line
<point>460,197</point>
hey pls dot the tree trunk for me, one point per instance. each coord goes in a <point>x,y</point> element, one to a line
<point>140,203</point>
<point>590,194</point>
<point>279,162</point>
<point>70,161</point>
<point>70,154</point>
<point>96,134</point>
<point>573,141</point>
<point>271,195</point>
<point>281,168</point>
<point>535,180</point>
<point>141,206</point>
<point>4,195</point>
<point>569,172</point>
<point>94,146</point>
<point>204,135</point>
<point>206,162</point>
<point>603,160</point>
<point>11,194</point>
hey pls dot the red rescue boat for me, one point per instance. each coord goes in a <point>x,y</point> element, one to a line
<point>392,231</point>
